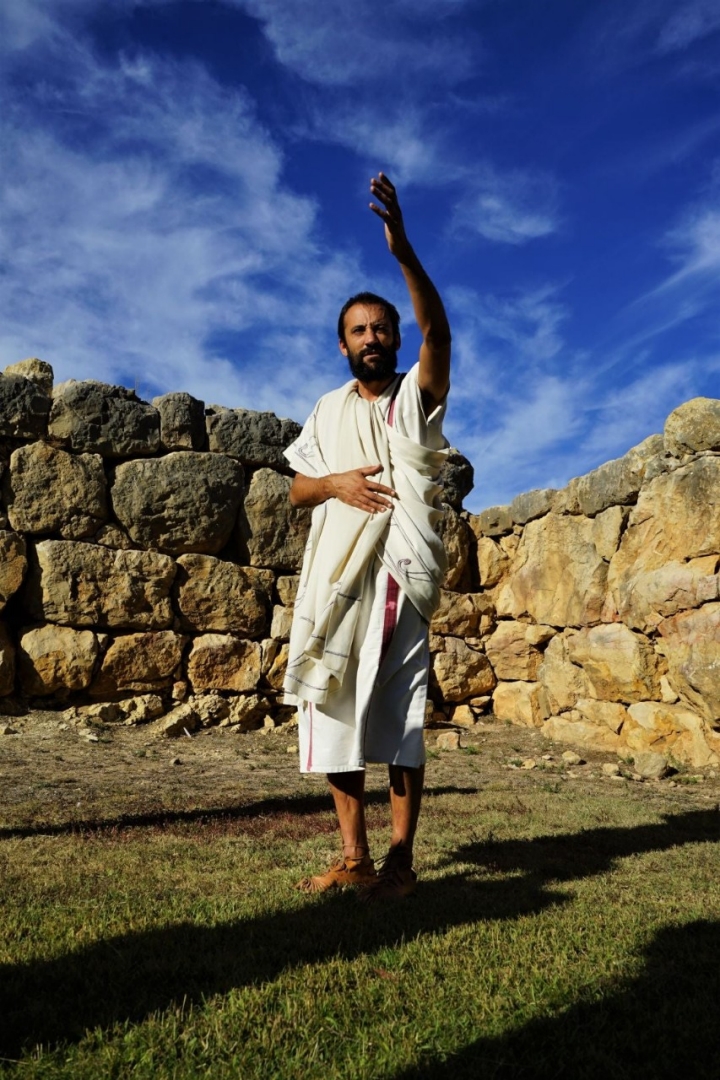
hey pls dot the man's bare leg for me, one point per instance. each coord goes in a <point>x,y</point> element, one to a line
<point>348,792</point>
<point>356,867</point>
<point>406,787</point>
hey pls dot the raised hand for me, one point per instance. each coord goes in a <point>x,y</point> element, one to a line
<point>391,214</point>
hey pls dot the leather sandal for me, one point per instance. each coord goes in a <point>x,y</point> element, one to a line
<point>341,875</point>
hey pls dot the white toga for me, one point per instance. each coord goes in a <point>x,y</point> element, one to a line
<point>359,655</point>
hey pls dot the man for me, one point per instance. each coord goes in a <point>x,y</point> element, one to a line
<point>368,460</point>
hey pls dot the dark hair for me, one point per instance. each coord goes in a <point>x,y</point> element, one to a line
<point>369,298</point>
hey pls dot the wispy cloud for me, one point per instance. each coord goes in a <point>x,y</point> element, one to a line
<point>511,207</point>
<point>688,23</point>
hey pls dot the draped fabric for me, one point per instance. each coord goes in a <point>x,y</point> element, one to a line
<point>345,544</point>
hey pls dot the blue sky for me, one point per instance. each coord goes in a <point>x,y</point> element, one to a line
<point>183,204</point>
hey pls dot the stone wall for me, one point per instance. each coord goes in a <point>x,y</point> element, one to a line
<point>149,562</point>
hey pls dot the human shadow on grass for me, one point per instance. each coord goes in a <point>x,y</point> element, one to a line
<point>128,977</point>
<point>291,805</point>
<point>658,1026</point>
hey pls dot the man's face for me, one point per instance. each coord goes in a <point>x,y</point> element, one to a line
<point>370,344</point>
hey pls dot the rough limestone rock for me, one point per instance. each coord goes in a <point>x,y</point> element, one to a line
<point>211,708</point>
<point>617,482</point>
<point>103,419</point>
<point>620,665</point>
<point>520,703</point>
<point>38,371</point>
<point>142,708</point>
<point>185,501</point>
<point>570,728</point>
<point>648,596</point>
<point>24,408</point>
<point>563,681</point>
<point>50,491</point>
<point>13,564</point>
<point>463,614</point>
<point>462,673</point>
<point>531,505</point>
<point>78,584</point>
<point>216,595</point>
<point>287,587</point>
<point>676,520</point>
<point>463,716</point>
<point>270,530</point>
<point>691,644</point>
<point>693,427</point>
<point>182,421</point>
<point>56,658</point>
<point>560,569</point>
<point>673,730</point>
<point>495,521</point>
<point>448,740</point>
<point>182,720</point>
<point>274,662</point>
<point>609,714</point>
<point>457,478</point>
<point>142,662</point>
<point>456,537</point>
<point>493,563</point>
<point>7,663</point>
<point>649,765</point>
<point>223,662</point>
<point>512,656</point>
<point>281,623</point>
<point>247,712</point>
<point>254,438</point>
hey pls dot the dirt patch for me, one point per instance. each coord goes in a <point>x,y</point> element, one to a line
<point>57,776</point>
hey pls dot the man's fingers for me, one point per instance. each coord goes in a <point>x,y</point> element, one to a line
<point>368,470</point>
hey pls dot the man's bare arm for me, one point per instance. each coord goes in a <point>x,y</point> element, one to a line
<point>434,374</point>
<point>353,487</point>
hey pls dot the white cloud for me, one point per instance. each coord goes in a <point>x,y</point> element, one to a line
<point>353,42</point>
<point>689,22</point>
<point>511,208</point>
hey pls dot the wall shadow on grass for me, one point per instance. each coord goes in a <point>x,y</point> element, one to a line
<point>127,977</point>
<point>659,1026</point>
<point>281,804</point>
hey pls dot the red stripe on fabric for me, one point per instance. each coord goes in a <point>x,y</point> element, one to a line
<point>390,617</point>
<point>309,759</point>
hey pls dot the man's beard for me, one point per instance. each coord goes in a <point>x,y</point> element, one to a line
<point>383,367</point>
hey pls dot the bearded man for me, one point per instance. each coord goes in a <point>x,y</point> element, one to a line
<point>368,460</point>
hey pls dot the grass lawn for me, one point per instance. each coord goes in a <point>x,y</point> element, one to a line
<point>557,931</point>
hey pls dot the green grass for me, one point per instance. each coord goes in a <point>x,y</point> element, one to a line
<point>554,934</point>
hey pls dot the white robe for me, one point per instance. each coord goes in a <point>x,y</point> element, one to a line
<point>359,658</point>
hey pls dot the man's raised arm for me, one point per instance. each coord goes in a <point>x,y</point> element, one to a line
<point>434,374</point>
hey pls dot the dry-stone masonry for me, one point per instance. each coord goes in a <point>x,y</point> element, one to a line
<point>149,559</point>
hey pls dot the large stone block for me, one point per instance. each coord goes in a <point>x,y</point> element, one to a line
<point>103,419</point>
<point>617,482</point>
<point>648,596</point>
<point>223,662</point>
<point>456,537</point>
<point>24,408</point>
<point>182,502</point>
<point>493,563</point>
<point>620,665</point>
<point>511,654</point>
<point>691,644</point>
<point>608,714</point>
<point>79,584</point>
<point>693,427</point>
<point>50,491</point>
<point>13,564</point>
<point>584,733</point>
<point>255,438</point>
<point>532,504</point>
<point>677,519</point>
<point>673,730</point>
<point>456,479</point>
<point>56,658</point>
<point>520,703</point>
<point>221,596</point>
<point>140,662</point>
<point>495,521</point>
<point>560,569</point>
<point>7,662</point>
<point>182,421</point>
<point>463,614</point>
<point>565,683</point>
<point>38,371</point>
<point>461,673</point>
<point>271,532</point>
